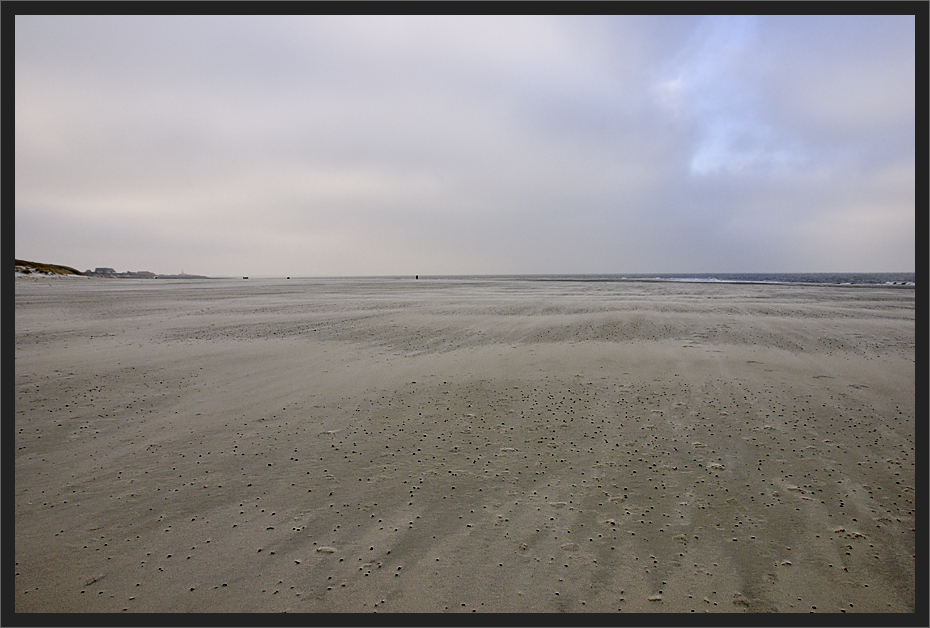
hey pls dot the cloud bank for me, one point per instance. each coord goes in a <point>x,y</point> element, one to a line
<point>318,145</point>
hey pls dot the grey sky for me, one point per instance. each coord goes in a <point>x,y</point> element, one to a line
<point>400,145</point>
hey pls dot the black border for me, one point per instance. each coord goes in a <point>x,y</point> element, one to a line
<point>8,617</point>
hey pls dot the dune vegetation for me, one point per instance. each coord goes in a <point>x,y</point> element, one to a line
<point>29,268</point>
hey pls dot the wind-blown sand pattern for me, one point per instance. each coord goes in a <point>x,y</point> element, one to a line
<point>399,445</point>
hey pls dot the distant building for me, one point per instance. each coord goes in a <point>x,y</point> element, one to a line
<point>137,274</point>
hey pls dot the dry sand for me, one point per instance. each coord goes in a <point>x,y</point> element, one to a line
<point>400,445</point>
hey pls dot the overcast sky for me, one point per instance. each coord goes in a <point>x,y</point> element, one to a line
<point>314,146</point>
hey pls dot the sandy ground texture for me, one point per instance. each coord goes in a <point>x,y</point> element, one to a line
<point>397,445</point>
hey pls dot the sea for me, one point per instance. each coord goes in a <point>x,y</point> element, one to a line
<point>835,279</point>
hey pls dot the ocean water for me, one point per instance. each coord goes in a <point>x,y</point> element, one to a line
<point>836,279</point>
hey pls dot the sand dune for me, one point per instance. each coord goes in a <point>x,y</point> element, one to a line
<point>363,445</point>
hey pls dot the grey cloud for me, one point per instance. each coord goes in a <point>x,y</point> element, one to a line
<point>344,145</point>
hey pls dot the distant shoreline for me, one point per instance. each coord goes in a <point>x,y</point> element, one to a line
<point>852,280</point>
<point>887,280</point>
<point>29,269</point>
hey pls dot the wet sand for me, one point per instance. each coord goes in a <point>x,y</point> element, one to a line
<point>426,446</point>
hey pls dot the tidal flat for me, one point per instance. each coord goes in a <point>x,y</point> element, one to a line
<point>401,445</point>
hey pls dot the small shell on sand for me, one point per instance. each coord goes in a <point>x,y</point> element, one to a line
<point>326,549</point>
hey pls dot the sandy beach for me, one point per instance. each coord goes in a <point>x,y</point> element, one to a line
<point>392,445</point>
